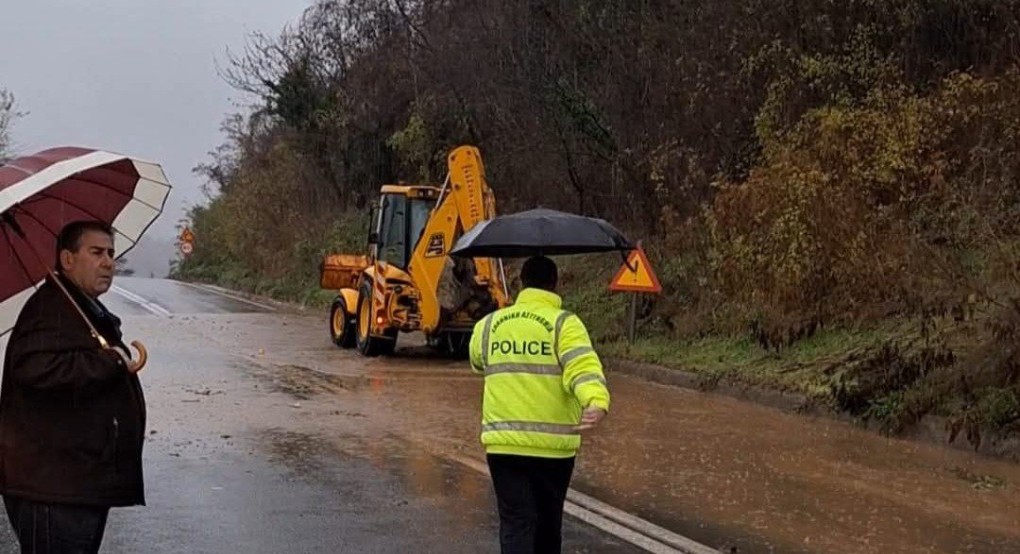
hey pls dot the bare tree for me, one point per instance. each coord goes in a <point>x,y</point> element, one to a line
<point>7,116</point>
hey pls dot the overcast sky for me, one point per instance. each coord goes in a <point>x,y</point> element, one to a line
<point>133,76</point>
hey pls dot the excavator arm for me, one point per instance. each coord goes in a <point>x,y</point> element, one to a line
<point>464,201</point>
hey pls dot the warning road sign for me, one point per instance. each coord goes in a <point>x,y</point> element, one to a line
<point>187,235</point>
<point>638,277</point>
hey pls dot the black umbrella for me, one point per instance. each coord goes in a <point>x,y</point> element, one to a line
<point>540,232</point>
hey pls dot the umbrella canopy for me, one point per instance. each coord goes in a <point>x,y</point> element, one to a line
<point>540,232</point>
<point>42,192</point>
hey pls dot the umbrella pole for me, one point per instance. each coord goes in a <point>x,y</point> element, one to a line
<point>95,334</point>
<point>502,277</point>
<point>53,274</point>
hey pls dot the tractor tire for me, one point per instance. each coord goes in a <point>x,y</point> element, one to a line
<point>368,344</point>
<point>341,324</point>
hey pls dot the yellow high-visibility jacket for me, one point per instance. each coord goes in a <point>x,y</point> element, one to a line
<point>540,372</point>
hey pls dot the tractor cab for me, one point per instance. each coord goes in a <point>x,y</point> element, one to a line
<point>399,221</point>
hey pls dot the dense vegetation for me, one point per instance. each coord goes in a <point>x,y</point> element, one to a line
<point>830,190</point>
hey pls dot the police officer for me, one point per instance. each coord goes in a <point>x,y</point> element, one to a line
<point>543,385</point>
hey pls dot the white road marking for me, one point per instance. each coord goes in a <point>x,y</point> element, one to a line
<point>675,540</point>
<point>151,307</point>
<point>226,294</point>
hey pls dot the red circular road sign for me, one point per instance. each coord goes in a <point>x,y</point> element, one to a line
<point>186,248</point>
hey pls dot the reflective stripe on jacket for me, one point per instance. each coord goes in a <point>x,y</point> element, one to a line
<point>540,371</point>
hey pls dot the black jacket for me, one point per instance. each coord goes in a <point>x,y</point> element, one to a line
<point>72,418</point>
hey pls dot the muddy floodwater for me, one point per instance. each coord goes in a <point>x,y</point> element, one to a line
<point>726,472</point>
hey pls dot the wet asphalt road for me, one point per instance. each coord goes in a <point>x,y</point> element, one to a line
<point>267,438</point>
<point>237,459</point>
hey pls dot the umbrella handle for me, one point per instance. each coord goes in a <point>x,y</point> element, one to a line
<point>143,355</point>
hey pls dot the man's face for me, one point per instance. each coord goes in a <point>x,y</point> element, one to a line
<point>91,267</point>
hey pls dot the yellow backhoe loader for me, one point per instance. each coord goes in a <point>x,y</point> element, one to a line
<point>407,282</point>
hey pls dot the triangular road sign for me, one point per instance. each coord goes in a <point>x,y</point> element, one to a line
<point>642,279</point>
<point>187,235</point>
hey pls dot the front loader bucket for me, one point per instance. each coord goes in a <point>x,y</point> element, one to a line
<point>341,271</point>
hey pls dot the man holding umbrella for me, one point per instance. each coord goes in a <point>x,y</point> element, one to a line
<point>543,385</point>
<point>72,414</point>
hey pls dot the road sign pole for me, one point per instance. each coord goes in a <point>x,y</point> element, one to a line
<point>633,317</point>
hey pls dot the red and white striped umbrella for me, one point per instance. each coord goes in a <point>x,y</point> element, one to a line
<point>41,193</point>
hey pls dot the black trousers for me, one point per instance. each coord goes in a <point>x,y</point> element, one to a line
<point>56,528</point>
<point>530,493</point>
